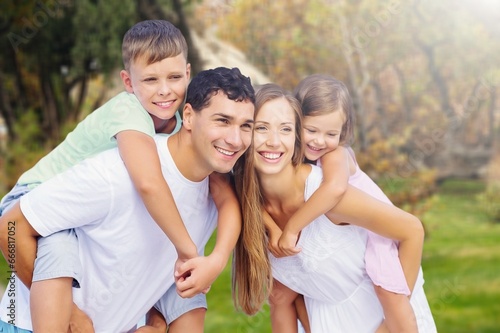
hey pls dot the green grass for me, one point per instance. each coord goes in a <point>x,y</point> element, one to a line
<point>461,265</point>
<point>462,261</point>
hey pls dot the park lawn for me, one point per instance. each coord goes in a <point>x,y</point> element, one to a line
<point>461,264</point>
<point>462,261</point>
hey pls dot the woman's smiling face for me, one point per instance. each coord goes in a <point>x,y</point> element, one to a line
<point>274,136</point>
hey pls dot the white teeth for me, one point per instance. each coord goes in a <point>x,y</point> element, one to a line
<point>271,156</point>
<point>164,104</point>
<point>225,152</point>
<point>314,148</point>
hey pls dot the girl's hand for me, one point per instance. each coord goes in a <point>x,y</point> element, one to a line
<point>287,244</point>
<point>274,235</point>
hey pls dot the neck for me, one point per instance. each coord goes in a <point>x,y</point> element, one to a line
<point>285,189</point>
<point>185,158</point>
<point>165,126</point>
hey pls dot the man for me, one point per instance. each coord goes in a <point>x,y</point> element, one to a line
<point>127,261</point>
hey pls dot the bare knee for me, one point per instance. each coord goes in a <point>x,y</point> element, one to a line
<point>281,295</point>
<point>191,321</point>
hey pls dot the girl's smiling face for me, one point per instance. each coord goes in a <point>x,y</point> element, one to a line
<point>321,134</point>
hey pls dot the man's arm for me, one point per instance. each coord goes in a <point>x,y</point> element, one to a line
<point>18,243</point>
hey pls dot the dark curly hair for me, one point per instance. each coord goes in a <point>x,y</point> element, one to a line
<point>209,82</point>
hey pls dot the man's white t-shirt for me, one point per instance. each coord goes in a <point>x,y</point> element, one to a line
<point>127,260</point>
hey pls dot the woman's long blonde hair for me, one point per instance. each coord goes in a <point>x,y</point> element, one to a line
<point>252,279</point>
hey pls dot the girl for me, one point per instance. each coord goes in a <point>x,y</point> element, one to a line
<point>330,269</point>
<point>327,131</point>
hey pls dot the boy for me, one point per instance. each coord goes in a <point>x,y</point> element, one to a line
<point>123,275</point>
<point>155,77</point>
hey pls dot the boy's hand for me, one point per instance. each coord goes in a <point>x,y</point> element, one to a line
<point>80,322</point>
<point>287,244</point>
<point>197,275</point>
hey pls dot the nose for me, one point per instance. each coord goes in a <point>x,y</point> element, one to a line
<point>319,139</point>
<point>273,139</point>
<point>233,137</point>
<point>164,89</point>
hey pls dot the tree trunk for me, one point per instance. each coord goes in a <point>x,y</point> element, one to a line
<point>403,91</point>
<point>182,24</point>
<point>49,107</point>
<point>358,88</point>
<point>82,93</point>
<point>379,108</point>
<point>6,109</point>
<point>491,118</point>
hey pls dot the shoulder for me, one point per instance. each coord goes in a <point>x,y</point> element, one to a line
<point>313,180</point>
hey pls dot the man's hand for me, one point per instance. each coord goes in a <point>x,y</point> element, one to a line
<point>80,322</point>
<point>197,275</point>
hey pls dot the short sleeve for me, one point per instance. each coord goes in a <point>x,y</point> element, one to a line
<point>81,195</point>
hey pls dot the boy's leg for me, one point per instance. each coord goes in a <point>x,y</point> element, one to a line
<point>183,314</point>
<point>57,266</point>
<point>191,321</point>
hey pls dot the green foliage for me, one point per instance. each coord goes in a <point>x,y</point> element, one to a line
<point>25,150</point>
<point>489,198</point>
<point>100,29</point>
<point>489,201</point>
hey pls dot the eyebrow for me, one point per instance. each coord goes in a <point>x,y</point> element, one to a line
<point>228,117</point>
<point>283,123</point>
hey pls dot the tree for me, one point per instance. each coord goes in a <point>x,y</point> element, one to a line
<point>52,50</point>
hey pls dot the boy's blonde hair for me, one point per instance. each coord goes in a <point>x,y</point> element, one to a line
<point>321,94</point>
<point>154,39</point>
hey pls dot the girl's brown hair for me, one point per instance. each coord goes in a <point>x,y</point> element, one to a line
<point>321,94</point>
<point>252,279</point>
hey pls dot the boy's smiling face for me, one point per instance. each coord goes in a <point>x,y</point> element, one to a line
<point>160,87</point>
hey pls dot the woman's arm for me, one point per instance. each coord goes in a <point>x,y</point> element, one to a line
<point>359,208</point>
<point>140,155</point>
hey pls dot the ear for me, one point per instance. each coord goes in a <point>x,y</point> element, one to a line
<point>187,116</point>
<point>127,81</point>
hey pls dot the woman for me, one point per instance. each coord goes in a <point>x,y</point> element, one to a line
<point>330,269</point>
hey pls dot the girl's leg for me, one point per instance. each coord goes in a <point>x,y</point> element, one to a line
<point>398,312</point>
<point>300,307</point>
<point>283,312</point>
